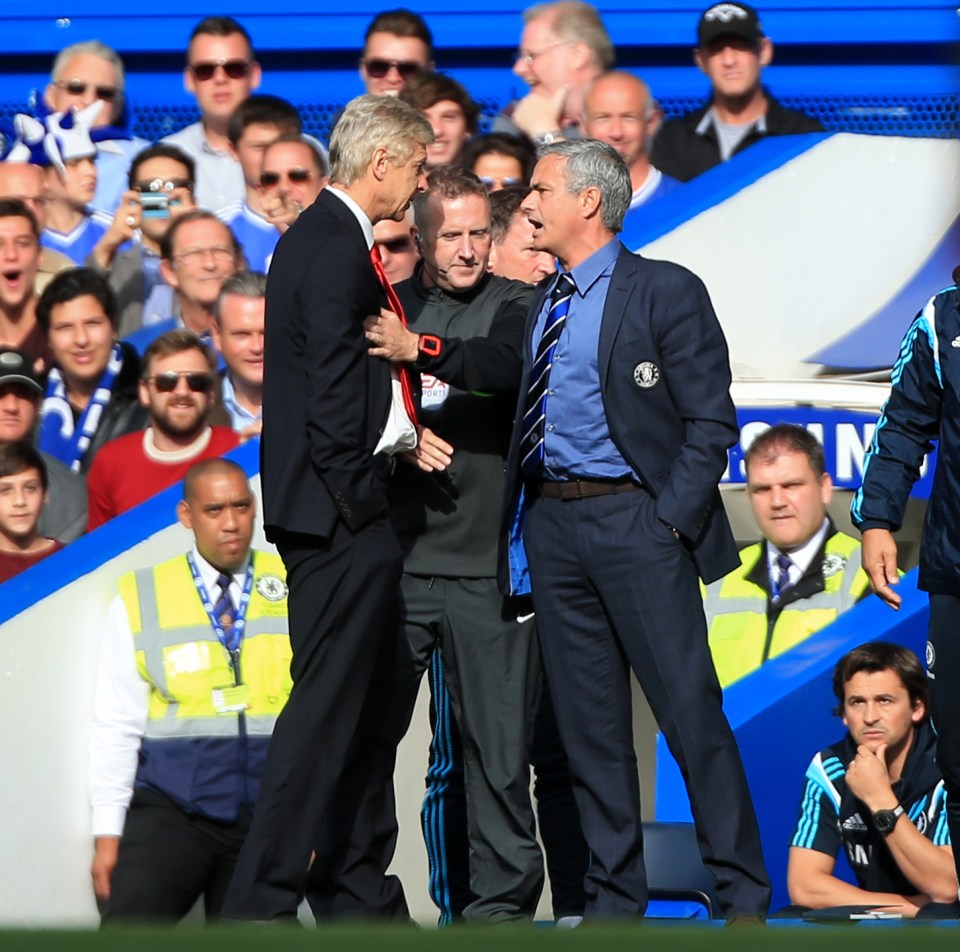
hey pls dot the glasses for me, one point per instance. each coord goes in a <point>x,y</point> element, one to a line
<point>235,69</point>
<point>528,56</point>
<point>163,185</point>
<point>294,176</point>
<point>77,87</point>
<point>492,184</point>
<point>397,246</point>
<point>378,68</point>
<point>167,381</point>
<point>200,255</point>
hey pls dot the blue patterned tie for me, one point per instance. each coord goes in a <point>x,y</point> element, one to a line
<point>531,445</point>
<point>226,612</point>
<point>783,579</point>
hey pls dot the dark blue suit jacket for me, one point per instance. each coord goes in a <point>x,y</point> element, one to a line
<point>665,382</point>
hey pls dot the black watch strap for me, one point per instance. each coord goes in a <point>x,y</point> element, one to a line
<point>886,820</point>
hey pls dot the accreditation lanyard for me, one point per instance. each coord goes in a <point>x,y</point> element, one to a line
<point>232,641</point>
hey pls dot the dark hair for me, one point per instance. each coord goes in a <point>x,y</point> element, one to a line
<point>74,283</point>
<point>501,143</point>
<point>219,26</point>
<point>789,438</point>
<point>162,151</point>
<point>447,181</point>
<point>216,464</point>
<point>168,240</point>
<point>427,89</point>
<point>267,110</point>
<point>16,458</point>
<point>401,22</point>
<point>504,204</point>
<point>877,656</point>
<point>178,341</point>
<point>17,208</point>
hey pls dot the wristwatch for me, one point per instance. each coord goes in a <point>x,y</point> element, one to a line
<point>886,820</point>
<point>548,138</point>
<point>430,344</point>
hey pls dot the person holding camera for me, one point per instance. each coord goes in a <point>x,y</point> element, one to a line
<point>160,189</point>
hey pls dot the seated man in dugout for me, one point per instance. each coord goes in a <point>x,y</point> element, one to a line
<point>879,795</point>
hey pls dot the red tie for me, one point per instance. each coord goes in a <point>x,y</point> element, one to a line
<point>403,370</point>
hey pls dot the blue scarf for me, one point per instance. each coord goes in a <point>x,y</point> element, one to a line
<point>58,435</point>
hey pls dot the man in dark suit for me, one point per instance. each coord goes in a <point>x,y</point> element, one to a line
<point>331,419</point>
<point>620,439</point>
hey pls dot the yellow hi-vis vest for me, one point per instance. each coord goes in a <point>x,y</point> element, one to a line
<point>207,759</point>
<point>745,628</point>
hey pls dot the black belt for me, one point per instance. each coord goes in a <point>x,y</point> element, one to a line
<point>585,488</point>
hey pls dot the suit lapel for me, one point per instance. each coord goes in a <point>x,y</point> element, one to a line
<point>622,287</point>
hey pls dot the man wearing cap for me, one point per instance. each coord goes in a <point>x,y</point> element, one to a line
<point>732,50</point>
<point>64,516</point>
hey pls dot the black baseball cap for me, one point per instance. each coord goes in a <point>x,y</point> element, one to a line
<point>17,367</point>
<point>729,19</point>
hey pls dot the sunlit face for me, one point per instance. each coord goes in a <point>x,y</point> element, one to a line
<point>23,181</point>
<point>298,175</point>
<point>250,149</point>
<point>733,65</point>
<point>616,112</point>
<point>449,126</point>
<point>515,257</point>
<point>877,710</point>
<point>182,412</point>
<point>220,511</point>
<point>81,338</point>
<point>402,55</point>
<point>397,248</point>
<point>83,79</point>
<point>238,335</point>
<point>553,211</point>
<point>21,500</point>
<point>401,182</point>
<point>162,169</point>
<point>18,411</point>
<point>498,171</point>
<point>19,261</point>
<point>788,500</point>
<point>76,185</point>
<point>203,258</point>
<point>220,95</point>
<point>455,241</point>
<point>548,69</point>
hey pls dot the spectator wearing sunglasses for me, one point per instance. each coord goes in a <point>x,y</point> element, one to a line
<point>91,390</point>
<point>178,390</point>
<point>398,44</point>
<point>198,253</point>
<point>397,243</point>
<point>500,160</point>
<point>295,169</point>
<point>257,123</point>
<point>452,115</point>
<point>221,73</point>
<point>619,110</point>
<point>82,74</point>
<point>160,190</point>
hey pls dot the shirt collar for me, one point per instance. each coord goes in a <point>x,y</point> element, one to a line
<point>228,397</point>
<point>209,574</point>
<point>803,555</point>
<point>601,262</point>
<point>358,213</point>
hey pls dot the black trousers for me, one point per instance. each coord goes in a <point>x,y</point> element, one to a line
<point>943,671</point>
<point>328,781</point>
<point>613,590</point>
<point>167,860</point>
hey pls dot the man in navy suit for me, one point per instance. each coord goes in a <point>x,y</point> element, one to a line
<point>332,418</point>
<point>612,512</point>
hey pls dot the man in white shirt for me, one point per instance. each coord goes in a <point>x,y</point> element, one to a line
<point>185,705</point>
<point>221,72</point>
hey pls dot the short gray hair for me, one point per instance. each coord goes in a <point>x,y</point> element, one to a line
<point>591,163</point>
<point>249,284</point>
<point>94,48</point>
<point>579,22</point>
<point>371,122</point>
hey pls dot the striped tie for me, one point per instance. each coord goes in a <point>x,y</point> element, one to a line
<point>535,406</point>
<point>226,613</point>
<point>783,578</point>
